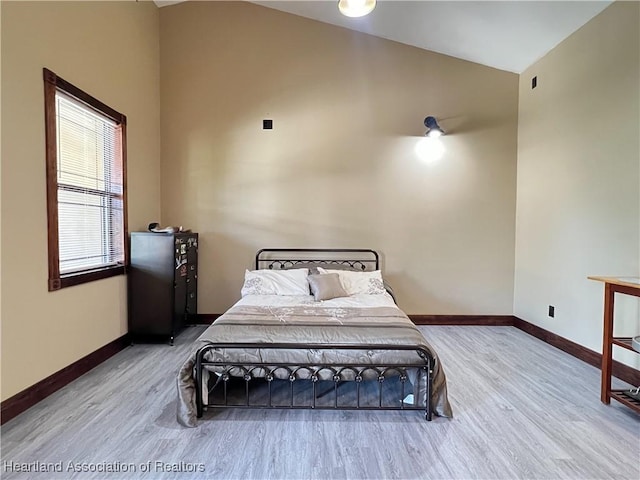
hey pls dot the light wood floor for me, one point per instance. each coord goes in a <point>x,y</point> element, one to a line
<point>523,409</point>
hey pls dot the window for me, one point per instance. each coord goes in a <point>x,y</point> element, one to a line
<point>86,185</point>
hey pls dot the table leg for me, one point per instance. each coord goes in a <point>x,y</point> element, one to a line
<point>607,346</point>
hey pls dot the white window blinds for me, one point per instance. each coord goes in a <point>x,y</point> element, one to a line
<point>90,188</point>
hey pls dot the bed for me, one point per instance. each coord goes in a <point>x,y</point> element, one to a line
<point>343,345</point>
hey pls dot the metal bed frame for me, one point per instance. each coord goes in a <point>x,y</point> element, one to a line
<point>359,259</point>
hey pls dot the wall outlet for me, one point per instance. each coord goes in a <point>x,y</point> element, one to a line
<point>552,311</point>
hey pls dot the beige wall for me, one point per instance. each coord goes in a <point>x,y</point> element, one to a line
<point>339,168</point>
<point>578,209</point>
<point>0,195</point>
<point>111,50</point>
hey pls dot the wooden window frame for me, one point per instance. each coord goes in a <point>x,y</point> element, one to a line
<point>53,83</point>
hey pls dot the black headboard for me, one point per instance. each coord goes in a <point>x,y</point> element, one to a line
<point>284,258</point>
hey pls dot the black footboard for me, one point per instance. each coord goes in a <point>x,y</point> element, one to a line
<point>355,375</point>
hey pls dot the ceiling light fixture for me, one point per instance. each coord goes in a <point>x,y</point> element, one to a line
<point>356,8</point>
<point>434,129</point>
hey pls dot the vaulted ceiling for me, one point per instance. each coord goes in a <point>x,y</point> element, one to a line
<point>508,35</point>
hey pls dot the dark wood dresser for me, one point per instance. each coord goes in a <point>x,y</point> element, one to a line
<point>162,284</point>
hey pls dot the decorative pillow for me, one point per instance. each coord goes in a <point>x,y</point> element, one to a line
<point>326,286</point>
<point>359,282</point>
<point>276,282</point>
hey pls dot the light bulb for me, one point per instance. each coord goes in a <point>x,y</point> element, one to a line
<point>356,8</point>
<point>429,149</point>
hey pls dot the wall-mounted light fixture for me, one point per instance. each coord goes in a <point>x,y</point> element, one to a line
<point>434,129</point>
<point>356,8</point>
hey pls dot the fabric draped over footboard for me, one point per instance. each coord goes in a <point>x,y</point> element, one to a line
<point>312,325</point>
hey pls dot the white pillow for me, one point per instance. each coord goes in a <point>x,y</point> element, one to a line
<point>276,282</point>
<point>359,282</point>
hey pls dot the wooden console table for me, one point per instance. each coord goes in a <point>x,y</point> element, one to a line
<point>613,285</point>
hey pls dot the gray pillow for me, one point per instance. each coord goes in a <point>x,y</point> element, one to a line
<point>326,286</point>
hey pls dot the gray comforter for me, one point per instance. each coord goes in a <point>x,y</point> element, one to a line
<point>312,325</point>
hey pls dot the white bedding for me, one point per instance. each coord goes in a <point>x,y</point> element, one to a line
<point>354,301</point>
